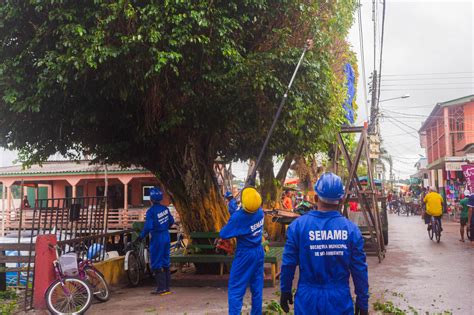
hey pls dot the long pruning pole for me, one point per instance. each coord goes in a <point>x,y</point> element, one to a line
<point>251,178</point>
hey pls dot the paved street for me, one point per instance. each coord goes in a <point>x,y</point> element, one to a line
<point>417,274</point>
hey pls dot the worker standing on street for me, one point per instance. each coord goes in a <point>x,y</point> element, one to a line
<point>157,223</point>
<point>328,248</point>
<point>231,202</point>
<point>247,268</point>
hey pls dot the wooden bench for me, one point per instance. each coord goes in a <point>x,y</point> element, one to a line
<point>206,243</point>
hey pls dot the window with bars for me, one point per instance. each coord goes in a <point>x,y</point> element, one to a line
<point>456,122</point>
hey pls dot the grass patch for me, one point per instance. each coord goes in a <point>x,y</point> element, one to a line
<point>388,307</point>
<point>8,302</point>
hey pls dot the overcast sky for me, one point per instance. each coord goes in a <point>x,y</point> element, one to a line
<point>428,53</point>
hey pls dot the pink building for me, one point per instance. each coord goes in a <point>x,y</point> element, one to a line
<point>447,135</point>
<point>127,188</point>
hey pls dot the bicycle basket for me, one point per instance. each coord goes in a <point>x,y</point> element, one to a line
<point>68,263</point>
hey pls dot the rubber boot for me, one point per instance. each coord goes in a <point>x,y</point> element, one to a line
<point>168,279</point>
<point>160,279</point>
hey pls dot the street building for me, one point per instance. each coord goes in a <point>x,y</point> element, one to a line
<point>447,136</point>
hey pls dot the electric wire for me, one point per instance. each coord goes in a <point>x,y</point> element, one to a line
<point>431,83</point>
<point>408,133</point>
<point>428,89</point>
<point>362,56</point>
<point>435,78</point>
<point>426,73</point>
<point>381,53</point>
<point>401,122</point>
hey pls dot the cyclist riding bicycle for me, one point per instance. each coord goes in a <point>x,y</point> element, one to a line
<point>434,207</point>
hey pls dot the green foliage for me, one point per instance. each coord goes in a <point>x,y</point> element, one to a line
<point>122,79</point>
<point>8,302</point>
<point>387,308</point>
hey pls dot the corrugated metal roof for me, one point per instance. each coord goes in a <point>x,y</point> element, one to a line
<point>67,167</point>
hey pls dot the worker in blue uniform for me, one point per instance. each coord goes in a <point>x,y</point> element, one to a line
<point>246,225</point>
<point>231,202</point>
<point>157,223</point>
<point>328,248</point>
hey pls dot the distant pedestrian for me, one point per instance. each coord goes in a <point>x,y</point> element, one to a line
<point>287,202</point>
<point>470,217</point>
<point>464,213</point>
<point>26,203</point>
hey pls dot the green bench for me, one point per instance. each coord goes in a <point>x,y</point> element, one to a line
<point>200,253</point>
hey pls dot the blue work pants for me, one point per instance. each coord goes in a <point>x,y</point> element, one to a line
<point>247,270</point>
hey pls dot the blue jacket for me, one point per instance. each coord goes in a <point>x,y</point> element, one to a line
<point>158,219</point>
<point>232,206</point>
<point>246,227</point>
<point>328,248</point>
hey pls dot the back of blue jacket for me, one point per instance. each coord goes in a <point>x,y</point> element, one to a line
<point>158,219</point>
<point>327,248</point>
<point>246,227</point>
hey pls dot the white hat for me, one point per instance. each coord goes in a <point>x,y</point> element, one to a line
<point>467,193</point>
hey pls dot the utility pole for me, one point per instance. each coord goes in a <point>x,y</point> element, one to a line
<point>374,106</point>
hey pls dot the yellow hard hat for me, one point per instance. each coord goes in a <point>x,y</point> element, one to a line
<point>251,200</point>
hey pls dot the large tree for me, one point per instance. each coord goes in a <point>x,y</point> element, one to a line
<point>167,85</point>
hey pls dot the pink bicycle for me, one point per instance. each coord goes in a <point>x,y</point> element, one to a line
<point>77,281</point>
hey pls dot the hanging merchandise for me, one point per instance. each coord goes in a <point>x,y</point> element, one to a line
<point>347,105</point>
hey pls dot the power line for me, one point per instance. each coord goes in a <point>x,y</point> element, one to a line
<point>427,89</point>
<point>420,106</point>
<point>406,158</point>
<point>381,51</point>
<point>426,73</point>
<point>374,19</point>
<point>431,83</point>
<point>435,78</point>
<point>400,113</point>
<point>362,53</point>
<point>399,127</point>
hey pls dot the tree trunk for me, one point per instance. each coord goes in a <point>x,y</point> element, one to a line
<point>271,190</point>
<point>189,178</point>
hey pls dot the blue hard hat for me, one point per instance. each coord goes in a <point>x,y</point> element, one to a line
<point>329,188</point>
<point>156,195</point>
<point>228,194</point>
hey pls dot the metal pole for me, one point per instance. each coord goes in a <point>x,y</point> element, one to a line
<point>3,210</point>
<point>19,228</point>
<point>106,211</point>
<point>251,178</point>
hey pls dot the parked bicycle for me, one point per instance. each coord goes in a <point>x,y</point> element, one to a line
<point>94,277</point>
<point>68,294</point>
<point>434,229</point>
<point>137,261</point>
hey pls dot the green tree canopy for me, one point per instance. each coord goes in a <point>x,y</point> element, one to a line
<point>167,85</point>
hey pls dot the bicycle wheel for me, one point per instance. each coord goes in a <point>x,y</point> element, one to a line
<point>430,232</point>
<point>133,270</point>
<point>74,297</point>
<point>438,232</point>
<point>97,282</point>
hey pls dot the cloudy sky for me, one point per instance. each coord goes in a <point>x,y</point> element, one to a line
<point>428,53</point>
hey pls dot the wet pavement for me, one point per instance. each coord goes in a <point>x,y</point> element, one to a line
<point>417,276</point>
